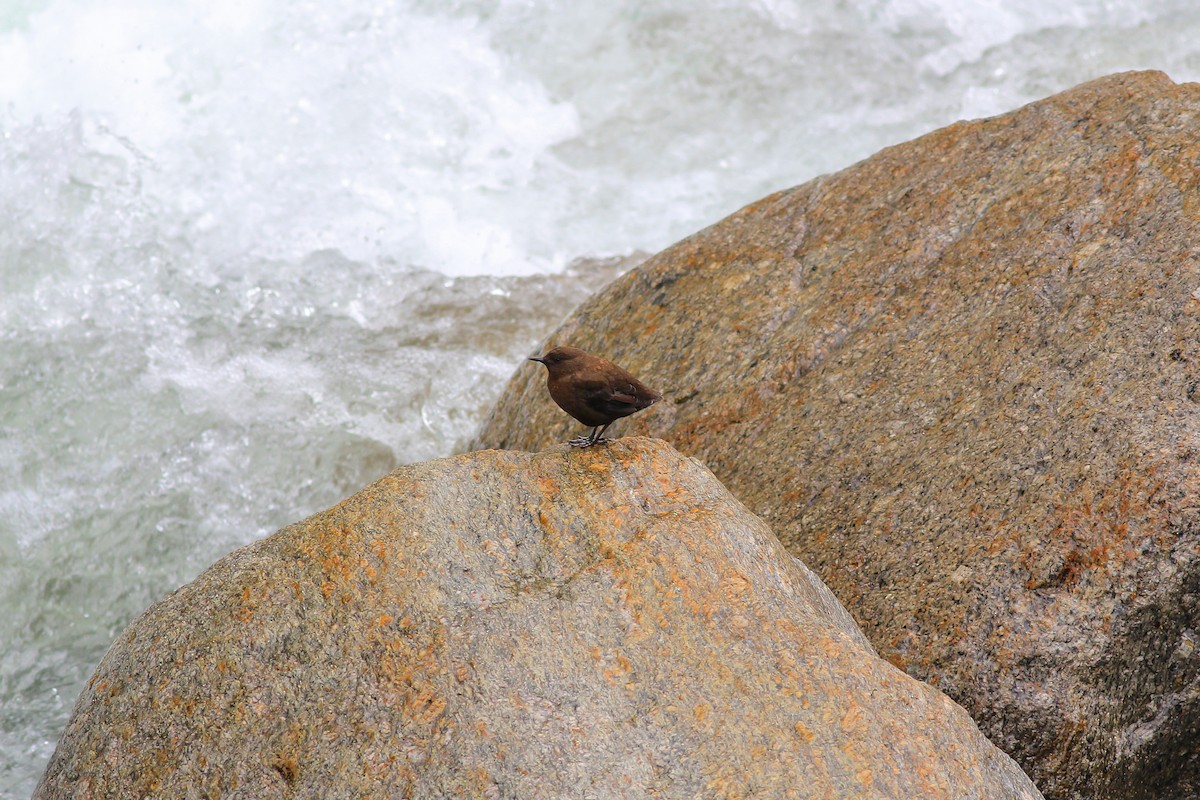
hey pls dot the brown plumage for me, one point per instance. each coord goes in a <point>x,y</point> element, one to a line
<point>593,390</point>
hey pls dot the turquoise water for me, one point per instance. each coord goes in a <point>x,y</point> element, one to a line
<point>254,254</point>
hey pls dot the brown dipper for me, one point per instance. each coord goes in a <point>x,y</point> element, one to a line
<point>593,390</point>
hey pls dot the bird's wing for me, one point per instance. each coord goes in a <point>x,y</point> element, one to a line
<point>605,398</point>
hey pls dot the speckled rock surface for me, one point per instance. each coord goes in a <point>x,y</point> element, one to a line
<point>605,623</point>
<point>960,380</point>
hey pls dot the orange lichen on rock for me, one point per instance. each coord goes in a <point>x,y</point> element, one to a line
<point>510,632</point>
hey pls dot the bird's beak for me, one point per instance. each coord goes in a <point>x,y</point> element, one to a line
<point>539,360</point>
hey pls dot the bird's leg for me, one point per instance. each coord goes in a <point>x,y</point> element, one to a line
<point>598,436</point>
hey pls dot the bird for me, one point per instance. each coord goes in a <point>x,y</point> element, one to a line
<point>593,390</point>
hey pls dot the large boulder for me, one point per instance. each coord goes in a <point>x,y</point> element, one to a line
<point>960,380</point>
<point>606,623</point>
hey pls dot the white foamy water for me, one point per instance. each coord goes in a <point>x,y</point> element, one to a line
<point>255,253</point>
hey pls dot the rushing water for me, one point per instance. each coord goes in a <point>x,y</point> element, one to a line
<point>255,253</point>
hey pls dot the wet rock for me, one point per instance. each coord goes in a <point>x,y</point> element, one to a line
<point>603,623</point>
<point>959,380</point>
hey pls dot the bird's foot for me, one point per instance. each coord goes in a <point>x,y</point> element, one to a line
<point>587,441</point>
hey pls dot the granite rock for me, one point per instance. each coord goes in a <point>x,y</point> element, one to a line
<point>602,623</point>
<point>960,380</point>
